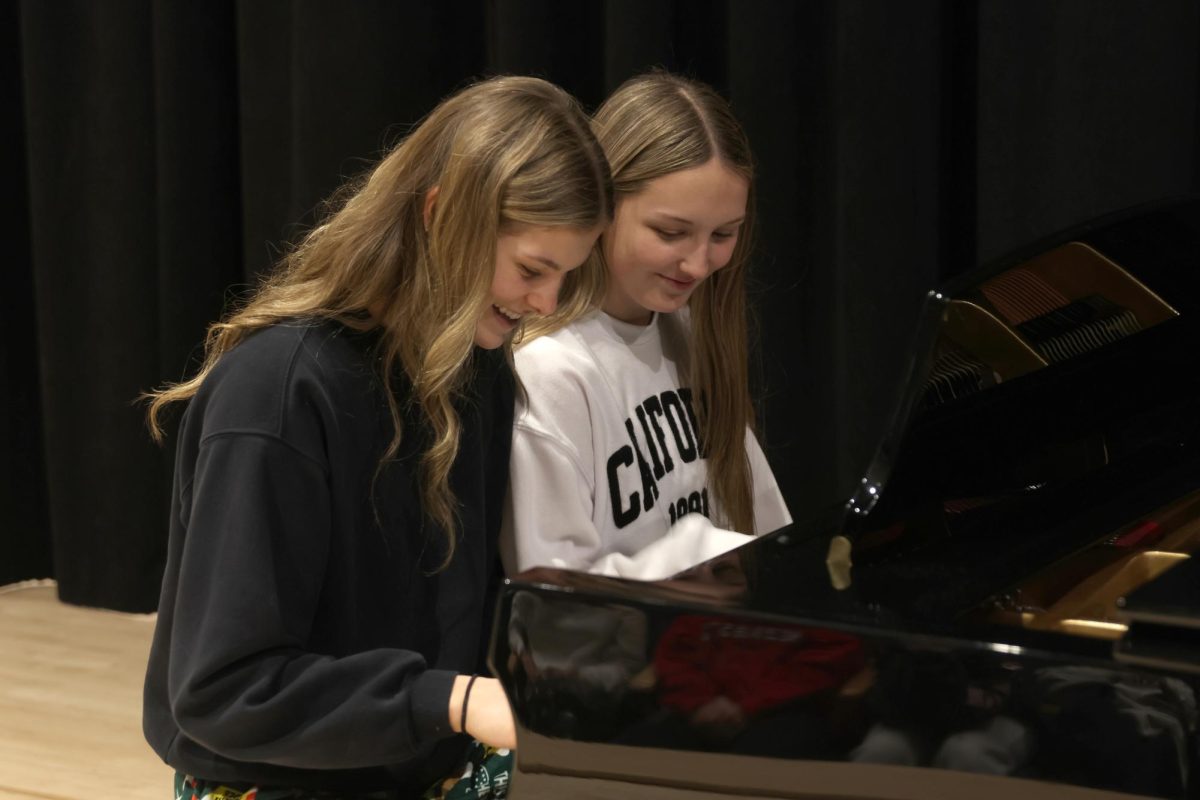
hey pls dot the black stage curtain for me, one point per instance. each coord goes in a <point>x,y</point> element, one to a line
<point>165,152</point>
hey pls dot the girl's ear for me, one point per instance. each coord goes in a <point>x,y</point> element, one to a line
<point>430,200</point>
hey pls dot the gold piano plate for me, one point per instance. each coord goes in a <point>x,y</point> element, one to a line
<point>984,335</point>
<point>1090,608</point>
<point>1073,271</point>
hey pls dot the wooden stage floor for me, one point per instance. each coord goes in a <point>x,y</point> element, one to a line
<point>71,701</point>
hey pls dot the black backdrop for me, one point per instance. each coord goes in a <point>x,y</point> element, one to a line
<point>166,150</point>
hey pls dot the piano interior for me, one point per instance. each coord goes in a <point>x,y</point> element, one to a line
<point>1083,593</point>
<point>1059,305</point>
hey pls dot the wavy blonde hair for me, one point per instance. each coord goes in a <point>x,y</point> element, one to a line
<point>651,126</point>
<point>504,152</point>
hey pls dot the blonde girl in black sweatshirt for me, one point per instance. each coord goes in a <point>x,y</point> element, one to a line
<point>343,458</point>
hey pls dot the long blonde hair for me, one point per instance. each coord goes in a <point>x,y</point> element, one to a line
<point>651,126</point>
<point>503,152</point>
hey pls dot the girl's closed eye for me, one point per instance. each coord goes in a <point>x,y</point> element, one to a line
<point>528,272</point>
<point>667,234</point>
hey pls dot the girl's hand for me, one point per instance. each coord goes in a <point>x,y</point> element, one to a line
<point>489,716</point>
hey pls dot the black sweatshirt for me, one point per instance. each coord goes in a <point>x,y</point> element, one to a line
<point>304,637</point>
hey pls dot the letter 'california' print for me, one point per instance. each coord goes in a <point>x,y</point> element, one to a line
<point>635,490</point>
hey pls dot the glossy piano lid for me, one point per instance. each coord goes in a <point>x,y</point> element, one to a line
<point>1145,258</point>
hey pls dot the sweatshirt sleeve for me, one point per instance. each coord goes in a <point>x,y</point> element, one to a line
<point>241,682</point>
<point>548,519</point>
<point>770,511</point>
<point>548,514</point>
<point>691,541</point>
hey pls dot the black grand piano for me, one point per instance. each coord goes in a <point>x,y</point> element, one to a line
<point>1005,608</point>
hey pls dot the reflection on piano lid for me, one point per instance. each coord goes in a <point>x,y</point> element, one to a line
<point>1006,603</point>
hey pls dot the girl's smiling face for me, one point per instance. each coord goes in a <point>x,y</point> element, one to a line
<point>531,264</point>
<point>667,238</point>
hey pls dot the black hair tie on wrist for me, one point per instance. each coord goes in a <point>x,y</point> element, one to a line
<point>462,725</point>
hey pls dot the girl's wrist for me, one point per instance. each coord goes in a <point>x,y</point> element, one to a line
<point>459,695</point>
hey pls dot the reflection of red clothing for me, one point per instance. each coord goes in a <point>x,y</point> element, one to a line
<point>756,664</point>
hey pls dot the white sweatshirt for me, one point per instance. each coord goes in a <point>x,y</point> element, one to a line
<point>606,459</point>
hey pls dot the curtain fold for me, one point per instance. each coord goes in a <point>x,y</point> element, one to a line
<point>25,550</point>
<point>89,103</point>
<point>167,153</point>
